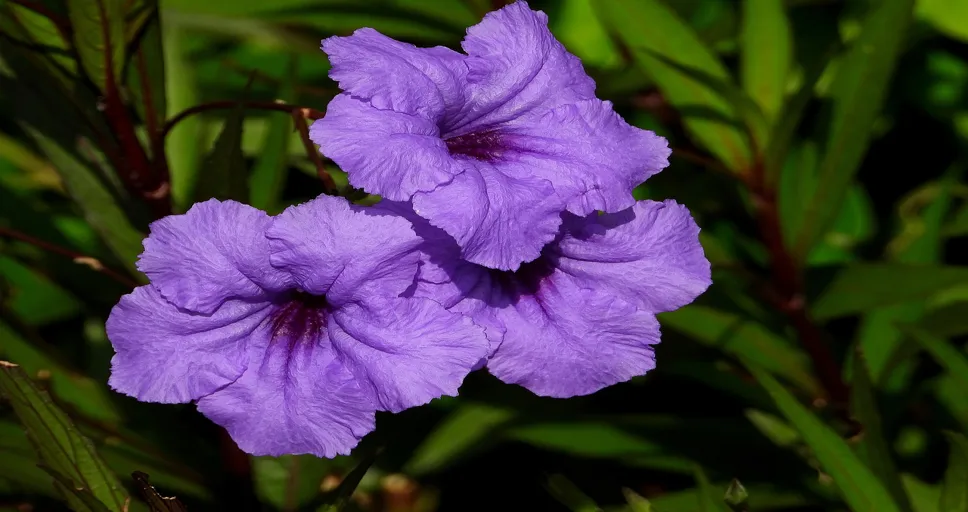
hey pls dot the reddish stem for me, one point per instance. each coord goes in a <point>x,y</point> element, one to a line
<point>92,263</point>
<point>299,119</point>
<point>222,105</point>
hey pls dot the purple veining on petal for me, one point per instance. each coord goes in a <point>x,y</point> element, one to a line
<point>300,319</point>
<point>487,145</point>
<point>526,280</point>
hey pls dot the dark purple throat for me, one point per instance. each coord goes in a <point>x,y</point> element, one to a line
<point>486,146</point>
<point>527,279</point>
<point>301,318</point>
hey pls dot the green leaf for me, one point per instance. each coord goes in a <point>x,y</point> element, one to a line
<point>184,141</point>
<point>737,496</point>
<point>146,73</point>
<point>98,27</point>
<point>34,298</point>
<point>948,16</point>
<point>743,337</point>
<point>156,502</point>
<point>954,490</point>
<point>269,173</point>
<point>873,447</point>
<point>464,430</point>
<point>857,484</point>
<point>861,287</point>
<point>709,499</point>
<point>858,90</point>
<point>569,495</point>
<point>78,499</point>
<point>290,481</point>
<point>18,462</point>
<point>950,358</point>
<point>225,175</point>
<point>924,497</point>
<point>766,54</point>
<point>649,28</point>
<point>636,503</point>
<point>60,446</point>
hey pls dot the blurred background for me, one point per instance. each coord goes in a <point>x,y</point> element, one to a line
<point>821,145</point>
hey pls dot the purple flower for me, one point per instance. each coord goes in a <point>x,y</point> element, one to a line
<point>581,316</point>
<point>289,331</point>
<point>491,146</point>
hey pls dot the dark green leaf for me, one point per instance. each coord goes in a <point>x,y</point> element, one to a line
<point>954,491</point>
<point>873,447</point>
<point>857,484</point>
<point>34,298</point>
<point>464,430</point>
<point>146,71</point>
<point>290,481</point>
<point>269,173</point>
<point>950,358</point>
<point>709,499</point>
<point>225,175</point>
<point>766,54</point>
<point>60,446</point>
<point>569,495</point>
<point>98,27</point>
<point>861,287</point>
<point>649,28</point>
<point>859,89</point>
<point>156,502</point>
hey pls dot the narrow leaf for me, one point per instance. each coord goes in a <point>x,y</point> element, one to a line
<point>464,430</point>
<point>859,89</point>
<point>98,27</point>
<point>78,498</point>
<point>636,503</point>
<point>146,73</point>
<point>862,287</point>
<point>954,490</point>
<point>225,175</point>
<point>184,142</point>
<point>156,502</point>
<point>60,446</point>
<point>649,28</point>
<point>950,358</point>
<point>859,486</point>
<point>766,52</point>
<point>569,495</point>
<point>873,447</point>
<point>269,173</point>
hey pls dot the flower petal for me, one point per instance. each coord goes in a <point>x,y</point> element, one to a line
<point>170,355</point>
<point>406,351</point>
<point>516,66</point>
<point>296,400</point>
<point>648,255</point>
<point>564,341</point>
<point>499,217</point>
<point>214,252</point>
<point>344,251</point>
<point>397,76</point>
<point>385,152</point>
<point>591,156</point>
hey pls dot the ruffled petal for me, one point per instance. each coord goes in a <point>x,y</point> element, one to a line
<point>516,66</point>
<point>563,341</point>
<point>392,75</point>
<point>170,355</point>
<point>384,152</point>
<point>591,156</point>
<point>344,251</point>
<point>499,217</point>
<point>293,400</point>
<point>214,252</point>
<point>648,255</point>
<point>406,351</point>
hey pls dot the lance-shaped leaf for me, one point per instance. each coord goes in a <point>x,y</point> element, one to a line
<point>146,73</point>
<point>58,443</point>
<point>225,175</point>
<point>859,89</point>
<point>98,27</point>
<point>649,27</point>
<point>766,45</point>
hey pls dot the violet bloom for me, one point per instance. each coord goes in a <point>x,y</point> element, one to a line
<point>287,331</point>
<point>490,146</point>
<point>581,316</point>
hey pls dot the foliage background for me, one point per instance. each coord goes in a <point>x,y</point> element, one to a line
<point>821,145</point>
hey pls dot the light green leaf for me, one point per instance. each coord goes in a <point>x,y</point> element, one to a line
<point>766,54</point>
<point>954,490</point>
<point>34,298</point>
<point>857,484</point>
<point>184,144</point>
<point>743,337</point>
<point>60,446</point>
<point>948,16</point>
<point>269,173</point>
<point>924,497</point>
<point>873,447</point>
<point>650,29</point>
<point>464,430</point>
<point>864,286</point>
<point>98,27</point>
<point>858,90</point>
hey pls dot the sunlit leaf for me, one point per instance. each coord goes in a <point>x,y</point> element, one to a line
<point>766,53</point>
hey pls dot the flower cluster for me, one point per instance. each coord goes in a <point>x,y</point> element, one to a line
<point>507,237</point>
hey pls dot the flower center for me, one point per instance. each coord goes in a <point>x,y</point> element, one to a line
<point>527,279</point>
<point>486,146</point>
<point>299,318</point>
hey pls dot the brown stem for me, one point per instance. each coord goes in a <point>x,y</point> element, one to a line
<point>299,119</point>
<point>221,105</point>
<point>92,263</point>
<point>788,292</point>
